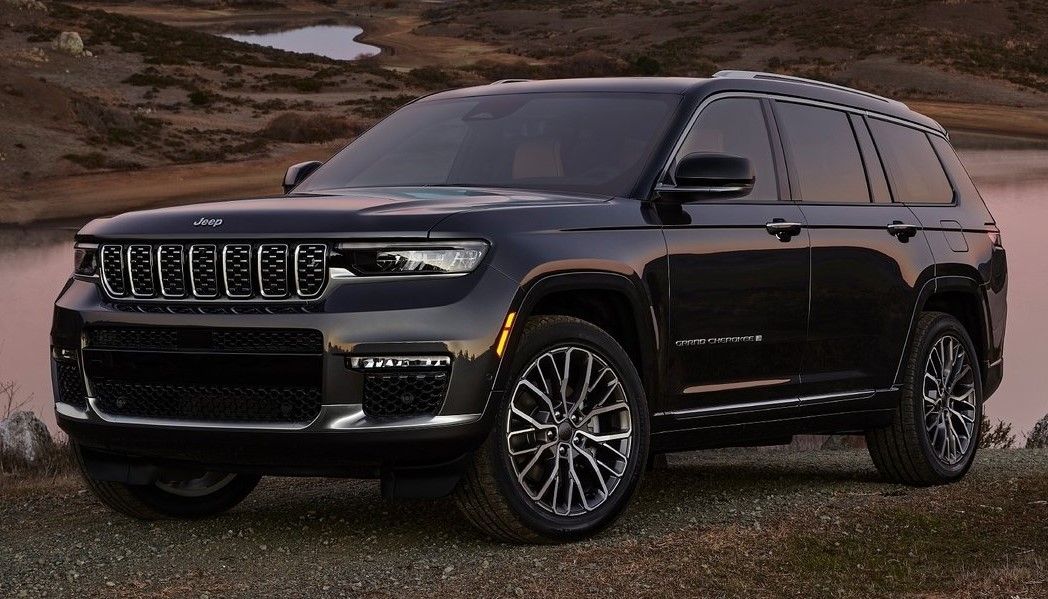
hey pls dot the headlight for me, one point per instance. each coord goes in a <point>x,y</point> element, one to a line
<point>455,257</point>
<point>85,261</point>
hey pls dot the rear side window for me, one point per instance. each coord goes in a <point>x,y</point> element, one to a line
<point>824,160</point>
<point>913,167</point>
<point>736,126</point>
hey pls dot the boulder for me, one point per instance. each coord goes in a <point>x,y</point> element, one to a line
<point>24,437</point>
<point>1038,437</point>
<point>69,42</point>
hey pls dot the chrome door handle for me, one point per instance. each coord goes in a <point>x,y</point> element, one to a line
<point>782,229</point>
<point>902,230</point>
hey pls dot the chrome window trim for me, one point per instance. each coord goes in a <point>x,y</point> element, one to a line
<point>665,171</point>
<point>159,267</point>
<point>225,271</point>
<point>258,262</point>
<point>102,269</point>
<point>192,279</point>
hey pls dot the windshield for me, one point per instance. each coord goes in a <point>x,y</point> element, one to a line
<point>585,143</point>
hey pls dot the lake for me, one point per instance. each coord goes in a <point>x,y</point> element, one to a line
<point>36,263</point>
<point>334,41</point>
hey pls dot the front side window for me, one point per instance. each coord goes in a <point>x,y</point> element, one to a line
<point>916,173</point>
<point>589,143</point>
<point>824,160</point>
<point>736,126</point>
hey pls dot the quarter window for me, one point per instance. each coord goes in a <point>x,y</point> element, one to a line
<point>915,171</point>
<point>824,160</point>
<point>736,126</point>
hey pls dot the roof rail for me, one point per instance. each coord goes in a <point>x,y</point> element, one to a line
<point>505,81</point>
<point>729,74</point>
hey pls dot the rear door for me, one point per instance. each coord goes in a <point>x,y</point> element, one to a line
<point>738,294</point>
<point>868,253</point>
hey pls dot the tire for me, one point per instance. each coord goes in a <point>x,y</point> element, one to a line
<point>492,495</point>
<point>163,500</point>
<point>915,448</point>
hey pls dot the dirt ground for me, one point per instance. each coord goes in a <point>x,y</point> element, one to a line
<point>753,523</point>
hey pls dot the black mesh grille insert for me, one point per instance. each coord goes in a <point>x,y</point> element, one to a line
<point>223,340</point>
<point>172,271</point>
<point>113,269</point>
<point>404,394</point>
<point>236,261</point>
<point>203,270</point>
<point>140,270</point>
<point>310,269</point>
<point>209,403</point>
<point>71,385</point>
<point>272,270</point>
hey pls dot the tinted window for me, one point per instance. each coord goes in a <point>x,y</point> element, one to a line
<point>914,169</point>
<point>550,141</point>
<point>958,173</point>
<point>736,126</point>
<point>824,160</point>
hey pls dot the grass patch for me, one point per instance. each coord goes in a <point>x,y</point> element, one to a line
<point>56,461</point>
<point>299,128</point>
<point>100,161</point>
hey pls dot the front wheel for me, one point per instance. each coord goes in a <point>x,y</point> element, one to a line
<point>570,441</point>
<point>934,433</point>
<point>188,496</point>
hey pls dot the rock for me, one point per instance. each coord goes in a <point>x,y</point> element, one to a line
<point>1038,437</point>
<point>69,42</point>
<point>23,435</point>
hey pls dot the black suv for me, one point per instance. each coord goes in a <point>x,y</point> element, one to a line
<point>520,293</point>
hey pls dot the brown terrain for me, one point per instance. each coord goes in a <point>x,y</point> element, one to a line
<point>165,112</point>
<point>731,523</point>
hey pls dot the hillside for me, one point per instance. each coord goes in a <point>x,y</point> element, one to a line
<point>159,89</point>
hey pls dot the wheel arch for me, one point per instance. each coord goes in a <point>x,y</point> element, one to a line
<point>612,301</point>
<point>963,298</point>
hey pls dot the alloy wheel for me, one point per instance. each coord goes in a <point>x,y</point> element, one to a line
<point>200,486</point>
<point>569,431</point>
<point>949,400</point>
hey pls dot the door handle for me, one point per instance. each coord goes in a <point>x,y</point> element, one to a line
<point>902,230</point>
<point>782,229</point>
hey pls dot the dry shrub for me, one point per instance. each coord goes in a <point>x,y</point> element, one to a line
<point>57,459</point>
<point>300,128</point>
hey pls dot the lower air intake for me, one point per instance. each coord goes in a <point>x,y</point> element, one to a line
<point>390,395</point>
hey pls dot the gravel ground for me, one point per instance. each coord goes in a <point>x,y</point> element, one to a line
<point>750,522</point>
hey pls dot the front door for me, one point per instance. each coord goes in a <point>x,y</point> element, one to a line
<point>738,279</point>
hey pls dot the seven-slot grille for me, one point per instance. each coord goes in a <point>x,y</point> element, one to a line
<point>269,271</point>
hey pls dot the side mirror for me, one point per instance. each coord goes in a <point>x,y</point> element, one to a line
<point>297,173</point>
<point>717,175</point>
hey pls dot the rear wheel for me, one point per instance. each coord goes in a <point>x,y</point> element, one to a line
<point>186,496</point>
<point>570,442</point>
<point>935,431</point>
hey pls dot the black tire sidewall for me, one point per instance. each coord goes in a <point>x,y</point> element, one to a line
<point>944,325</point>
<point>178,506</point>
<point>535,342</point>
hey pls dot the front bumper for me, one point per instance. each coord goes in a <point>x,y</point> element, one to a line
<point>459,317</point>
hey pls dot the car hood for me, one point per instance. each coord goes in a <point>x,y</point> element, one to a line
<point>388,212</point>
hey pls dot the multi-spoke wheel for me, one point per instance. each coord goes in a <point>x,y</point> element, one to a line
<point>935,431</point>
<point>570,442</point>
<point>196,495</point>
<point>949,399</point>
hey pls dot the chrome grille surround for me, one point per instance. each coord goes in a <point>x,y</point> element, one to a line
<point>172,268</point>
<point>203,270</point>
<point>243,271</point>
<point>112,264</point>
<point>310,269</point>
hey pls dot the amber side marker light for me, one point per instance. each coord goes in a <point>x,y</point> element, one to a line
<point>500,348</point>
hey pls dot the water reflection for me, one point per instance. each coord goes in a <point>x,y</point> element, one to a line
<point>34,264</point>
<point>334,41</point>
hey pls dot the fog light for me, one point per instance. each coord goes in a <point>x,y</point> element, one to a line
<point>397,362</point>
<point>63,354</point>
